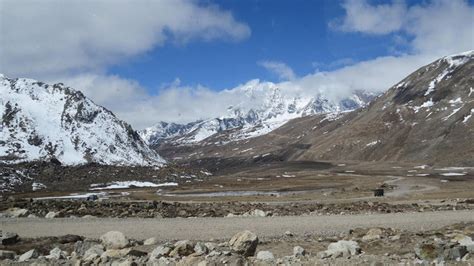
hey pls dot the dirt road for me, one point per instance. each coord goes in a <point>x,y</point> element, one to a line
<point>206,228</point>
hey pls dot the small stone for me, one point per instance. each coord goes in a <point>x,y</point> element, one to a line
<point>288,233</point>
<point>56,253</point>
<point>265,255</point>
<point>93,252</point>
<point>210,246</point>
<point>299,251</point>
<point>32,254</point>
<point>160,251</point>
<point>395,237</point>
<point>150,241</point>
<point>51,215</point>
<point>114,254</point>
<point>214,253</point>
<point>456,252</point>
<point>244,243</point>
<point>114,240</point>
<point>257,213</point>
<point>182,248</point>
<point>428,251</point>
<point>136,253</point>
<point>200,249</point>
<point>7,255</point>
<point>466,241</point>
<point>7,238</point>
<point>342,248</point>
<point>373,234</point>
<point>17,212</point>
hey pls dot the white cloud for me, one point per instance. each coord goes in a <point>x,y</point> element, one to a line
<point>67,47</point>
<point>438,27</point>
<point>375,19</point>
<point>177,103</point>
<point>69,36</point>
<point>282,70</point>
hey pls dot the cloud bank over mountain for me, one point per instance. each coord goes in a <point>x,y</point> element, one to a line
<point>76,42</point>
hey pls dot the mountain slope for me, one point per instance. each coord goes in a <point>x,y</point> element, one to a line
<point>426,118</point>
<point>271,109</point>
<point>41,122</point>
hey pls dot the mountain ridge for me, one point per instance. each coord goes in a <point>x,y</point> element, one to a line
<point>274,109</point>
<point>44,122</point>
<point>425,118</point>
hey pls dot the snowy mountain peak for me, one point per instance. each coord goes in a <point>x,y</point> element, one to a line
<point>263,108</point>
<point>42,121</point>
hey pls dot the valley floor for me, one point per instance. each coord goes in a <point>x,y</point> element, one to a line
<point>427,213</point>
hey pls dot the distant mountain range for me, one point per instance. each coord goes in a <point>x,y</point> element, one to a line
<point>45,122</point>
<point>427,118</point>
<point>274,109</point>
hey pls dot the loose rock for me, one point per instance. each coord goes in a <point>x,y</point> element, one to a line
<point>7,254</point>
<point>150,241</point>
<point>160,251</point>
<point>265,255</point>
<point>51,215</point>
<point>341,248</point>
<point>373,234</point>
<point>7,238</point>
<point>299,251</point>
<point>182,248</point>
<point>114,240</point>
<point>32,254</point>
<point>244,243</point>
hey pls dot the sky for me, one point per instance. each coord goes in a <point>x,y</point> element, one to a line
<point>182,60</point>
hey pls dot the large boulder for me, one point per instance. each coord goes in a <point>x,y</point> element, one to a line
<point>114,240</point>
<point>244,243</point>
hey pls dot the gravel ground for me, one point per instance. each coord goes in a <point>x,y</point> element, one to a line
<point>220,228</point>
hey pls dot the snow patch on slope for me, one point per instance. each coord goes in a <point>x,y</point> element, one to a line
<point>41,121</point>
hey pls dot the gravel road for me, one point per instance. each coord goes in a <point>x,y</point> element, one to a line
<point>220,228</point>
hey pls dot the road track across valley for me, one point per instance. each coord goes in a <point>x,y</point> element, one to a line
<point>223,228</point>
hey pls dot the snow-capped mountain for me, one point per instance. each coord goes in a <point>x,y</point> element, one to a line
<point>427,118</point>
<point>263,108</point>
<point>41,122</point>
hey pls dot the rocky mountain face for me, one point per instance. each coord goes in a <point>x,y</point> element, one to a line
<point>274,109</point>
<point>44,122</point>
<point>426,118</point>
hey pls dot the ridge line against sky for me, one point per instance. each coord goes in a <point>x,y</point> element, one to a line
<point>183,60</point>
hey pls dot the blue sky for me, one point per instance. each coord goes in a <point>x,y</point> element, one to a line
<point>170,60</point>
<point>294,32</point>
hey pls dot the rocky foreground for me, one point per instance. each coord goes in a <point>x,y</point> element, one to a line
<point>452,244</point>
<point>162,209</point>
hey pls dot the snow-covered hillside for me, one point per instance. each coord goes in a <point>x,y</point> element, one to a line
<point>263,108</point>
<point>41,121</point>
